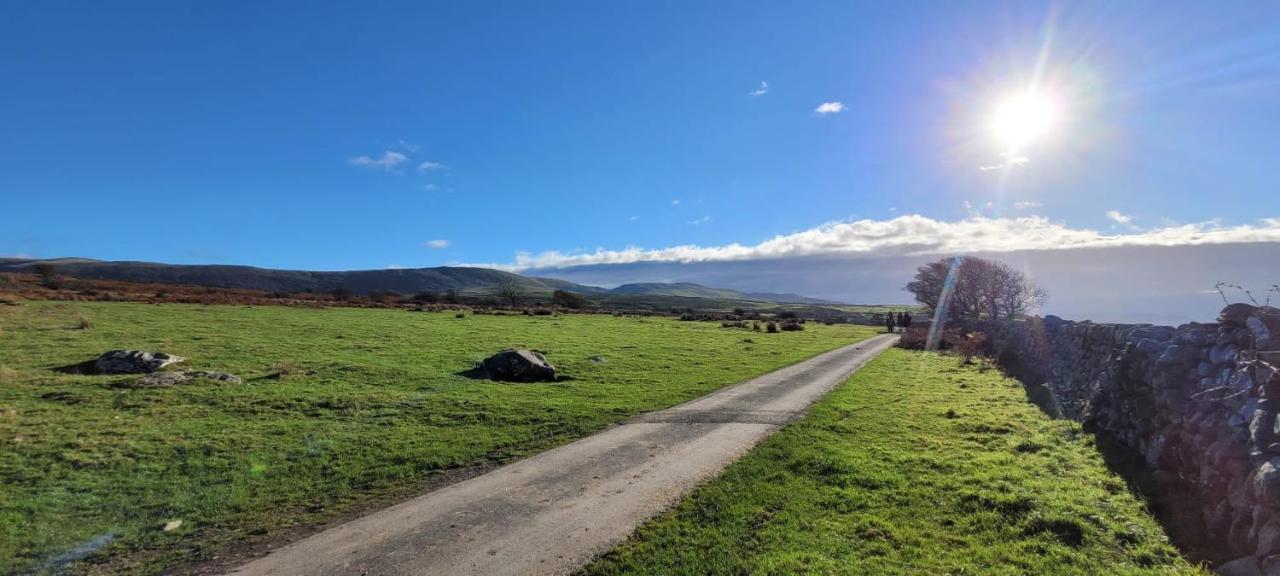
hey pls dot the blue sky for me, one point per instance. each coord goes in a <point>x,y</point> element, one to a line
<point>292,134</point>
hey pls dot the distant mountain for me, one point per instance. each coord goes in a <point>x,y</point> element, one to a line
<point>691,290</point>
<point>404,281</point>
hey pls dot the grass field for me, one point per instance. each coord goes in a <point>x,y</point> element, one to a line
<point>915,466</point>
<point>341,408</point>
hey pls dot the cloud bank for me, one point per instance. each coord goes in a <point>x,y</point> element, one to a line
<point>914,235</point>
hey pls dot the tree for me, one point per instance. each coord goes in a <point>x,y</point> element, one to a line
<point>508,290</point>
<point>567,299</point>
<point>341,293</point>
<point>979,289</point>
<point>426,297</point>
<point>48,275</point>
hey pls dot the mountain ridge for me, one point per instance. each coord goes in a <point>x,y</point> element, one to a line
<point>462,279</point>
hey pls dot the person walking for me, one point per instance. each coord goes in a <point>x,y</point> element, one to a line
<point>889,322</point>
<point>906,321</point>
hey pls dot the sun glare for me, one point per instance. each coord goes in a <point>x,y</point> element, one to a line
<point>1023,119</point>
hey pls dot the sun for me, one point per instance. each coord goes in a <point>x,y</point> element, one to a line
<point>1024,119</point>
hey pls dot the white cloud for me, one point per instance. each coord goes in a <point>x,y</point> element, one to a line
<point>699,221</point>
<point>1026,205</point>
<point>389,160</point>
<point>1119,218</point>
<point>762,90</point>
<point>675,202</point>
<point>427,166</point>
<point>396,267</point>
<point>918,235</point>
<point>633,218</point>
<point>1007,160</point>
<point>829,108</point>
<point>438,243</point>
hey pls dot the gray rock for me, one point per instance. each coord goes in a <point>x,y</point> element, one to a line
<point>1268,539</point>
<point>1247,566</point>
<point>1265,330</point>
<point>1223,353</point>
<point>1271,565</point>
<point>519,365</point>
<point>133,361</point>
<point>1266,483</point>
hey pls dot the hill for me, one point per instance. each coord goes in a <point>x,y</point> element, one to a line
<point>461,279</point>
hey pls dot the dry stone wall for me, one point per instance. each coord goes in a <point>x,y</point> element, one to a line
<point>1198,401</point>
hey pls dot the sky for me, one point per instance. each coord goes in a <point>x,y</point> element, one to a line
<point>547,135</point>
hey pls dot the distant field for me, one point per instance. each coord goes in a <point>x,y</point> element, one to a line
<point>914,466</point>
<point>342,408</point>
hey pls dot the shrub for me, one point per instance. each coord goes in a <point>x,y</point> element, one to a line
<point>426,297</point>
<point>771,327</point>
<point>48,274</point>
<point>566,299</point>
<point>792,327</point>
<point>755,326</point>
<point>341,293</point>
<point>914,338</point>
<point>85,322</point>
<point>786,315</point>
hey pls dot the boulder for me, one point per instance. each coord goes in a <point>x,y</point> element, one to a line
<point>133,362</point>
<point>519,365</point>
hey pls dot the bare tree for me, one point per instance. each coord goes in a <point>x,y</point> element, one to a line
<point>48,275</point>
<point>978,289</point>
<point>508,290</point>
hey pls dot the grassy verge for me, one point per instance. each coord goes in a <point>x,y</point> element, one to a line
<point>914,466</point>
<point>340,408</point>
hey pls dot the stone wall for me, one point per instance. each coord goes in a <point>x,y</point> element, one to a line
<point>1198,401</point>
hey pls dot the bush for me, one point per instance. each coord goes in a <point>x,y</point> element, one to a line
<point>426,297</point>
<point>341,293</point>
<point>48,274</point>
<point>85,323</point>
<point>786,315</point>
<point>566,299</point>
<point>792,327</point>
<point>771,327</point>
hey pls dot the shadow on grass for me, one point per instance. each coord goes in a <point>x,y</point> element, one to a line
<point>1174,502</point>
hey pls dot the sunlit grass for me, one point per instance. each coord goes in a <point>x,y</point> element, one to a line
<point>916,465</point>
<point>341,408</point>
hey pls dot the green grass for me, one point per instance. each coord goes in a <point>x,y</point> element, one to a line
<point>914,466</point>
<point>341,408</point>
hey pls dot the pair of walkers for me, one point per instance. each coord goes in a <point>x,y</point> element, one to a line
<point>899,320</point>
